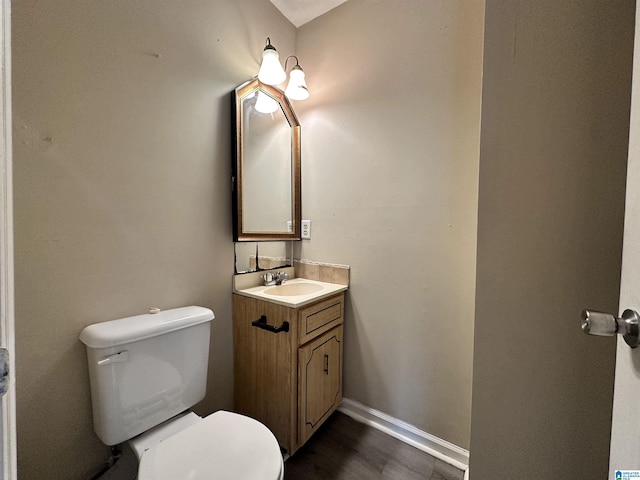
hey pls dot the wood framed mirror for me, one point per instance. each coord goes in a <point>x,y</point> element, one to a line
<point>266,167</point>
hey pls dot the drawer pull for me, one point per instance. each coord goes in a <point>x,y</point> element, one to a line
<point>262,323</point>
<point>326,364</point>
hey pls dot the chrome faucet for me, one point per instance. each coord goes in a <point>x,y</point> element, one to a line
<point>275,279</point>
<point>281,277</point>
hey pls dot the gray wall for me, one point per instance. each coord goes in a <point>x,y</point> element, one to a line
<point>554,136</point>
<point>122,201</point>
<point>390,162</point>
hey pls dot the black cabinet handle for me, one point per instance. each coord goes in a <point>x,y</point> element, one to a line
<point>262,323</point>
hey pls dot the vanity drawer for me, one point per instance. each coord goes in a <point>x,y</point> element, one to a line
<point>321,317</point>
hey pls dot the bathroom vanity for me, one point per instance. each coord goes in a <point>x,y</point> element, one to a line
<point>288,358</point>
<point>288,337</point>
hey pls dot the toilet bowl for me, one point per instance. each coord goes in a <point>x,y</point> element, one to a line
<point>223,445</point>
<point>146,372</point>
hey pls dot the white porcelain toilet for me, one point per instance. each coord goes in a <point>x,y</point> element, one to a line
<point>146,371</point>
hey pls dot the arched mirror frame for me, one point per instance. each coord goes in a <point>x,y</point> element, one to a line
<point>239,234</point>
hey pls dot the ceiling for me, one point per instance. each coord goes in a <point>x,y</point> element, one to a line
<point>300,12</point>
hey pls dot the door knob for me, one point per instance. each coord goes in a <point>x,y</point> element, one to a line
<point>605,324</point>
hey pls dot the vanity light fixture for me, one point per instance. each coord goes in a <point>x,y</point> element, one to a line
<point>297,87</point>
<point>272,73</point>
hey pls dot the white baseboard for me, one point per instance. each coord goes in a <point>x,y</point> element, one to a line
<point>434,446</point>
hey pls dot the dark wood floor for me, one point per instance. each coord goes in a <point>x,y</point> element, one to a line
<point>343,449</point>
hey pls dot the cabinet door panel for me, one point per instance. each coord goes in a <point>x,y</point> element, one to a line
<point>320,373</point>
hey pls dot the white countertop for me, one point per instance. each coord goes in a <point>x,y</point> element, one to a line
<point>296,292</point>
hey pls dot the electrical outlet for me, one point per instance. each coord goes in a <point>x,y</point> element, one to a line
<point>289,226</point>
<point>306,229</point>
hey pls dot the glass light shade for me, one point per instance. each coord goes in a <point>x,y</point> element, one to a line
<point>266,104</point>
<point>271,72</point>
<point>297,87</point>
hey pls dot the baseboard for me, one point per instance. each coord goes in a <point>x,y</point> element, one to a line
<point>434,446</point>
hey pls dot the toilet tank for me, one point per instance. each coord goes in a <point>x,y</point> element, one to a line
<point>146,369</point>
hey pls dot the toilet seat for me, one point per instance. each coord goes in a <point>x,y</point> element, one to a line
<point>223,445</point>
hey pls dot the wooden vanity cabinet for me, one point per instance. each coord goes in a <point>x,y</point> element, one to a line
<point>289,380</point>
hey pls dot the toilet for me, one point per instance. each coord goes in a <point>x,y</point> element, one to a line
<point>146,372</point>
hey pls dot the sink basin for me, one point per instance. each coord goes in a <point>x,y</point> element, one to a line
<point>293,289</point>
<point>295,292</point>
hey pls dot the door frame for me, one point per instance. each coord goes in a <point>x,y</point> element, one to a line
<point>7,319</point>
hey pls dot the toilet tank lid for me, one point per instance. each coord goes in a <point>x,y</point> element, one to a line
<point>140,327</point>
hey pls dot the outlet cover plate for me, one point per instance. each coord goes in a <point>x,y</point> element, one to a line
<point>306,229</point>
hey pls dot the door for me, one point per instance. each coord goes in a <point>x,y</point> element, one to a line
<point>625,429</point>
<point>7,417</point>
<point>553,162</point>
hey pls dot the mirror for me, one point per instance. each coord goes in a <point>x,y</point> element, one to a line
<point>257,256</point>
<point>266,168</point>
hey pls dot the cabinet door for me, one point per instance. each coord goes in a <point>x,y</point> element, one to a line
<point>320,376</point>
